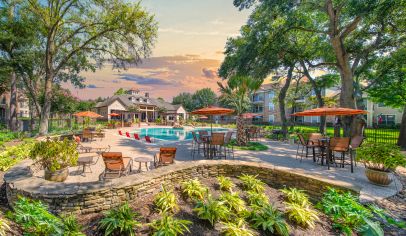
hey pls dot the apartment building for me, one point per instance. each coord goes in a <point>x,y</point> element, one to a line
<point>266,106</point>
<point>23,109</point>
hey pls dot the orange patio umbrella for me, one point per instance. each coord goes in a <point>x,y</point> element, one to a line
<point>203,117</point>
<point>211,111</point>
<point>330,111</point>
<point>249,115</point>
<point>90,114</point>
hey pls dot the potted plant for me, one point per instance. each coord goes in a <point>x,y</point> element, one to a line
<point>379,160</point>
<point>55,157</point>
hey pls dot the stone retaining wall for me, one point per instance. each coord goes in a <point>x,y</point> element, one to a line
<point>97,196</point>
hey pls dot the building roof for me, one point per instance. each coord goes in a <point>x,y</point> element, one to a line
<point>127,101</point>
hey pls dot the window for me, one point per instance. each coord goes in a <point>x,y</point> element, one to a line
<point>3,101</point>
<point>315,119</point>
<point>271,95</point>
<point>258,97</point>
<point>386,119</point>
<point>271,119</point>
<point>258,109</point>
<point>271,106</point>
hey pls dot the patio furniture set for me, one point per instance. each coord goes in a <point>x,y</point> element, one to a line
<point>213,145</point>
<point>325,149</point>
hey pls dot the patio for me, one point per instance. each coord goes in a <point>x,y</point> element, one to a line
<point>279,154</point>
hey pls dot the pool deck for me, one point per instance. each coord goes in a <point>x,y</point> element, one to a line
<point>279,154</point>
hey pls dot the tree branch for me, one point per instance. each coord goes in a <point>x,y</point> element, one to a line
<point>350,27</point>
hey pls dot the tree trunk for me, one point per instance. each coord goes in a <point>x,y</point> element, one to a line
<point>31,127</point>
<point>46,109</point>
<point>281,100</point>
<point>241,134</point>
<point>319,98</point>
<point>402,134</point>
<point>13,125</point>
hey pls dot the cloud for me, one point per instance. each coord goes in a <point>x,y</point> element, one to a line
<point>209,73</point>
<point>92,86</point>
<point>143,80</point>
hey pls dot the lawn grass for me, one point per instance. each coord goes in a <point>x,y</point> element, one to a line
<point>251,146</point>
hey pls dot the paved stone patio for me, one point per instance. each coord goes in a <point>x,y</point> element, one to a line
<point>279,154</point>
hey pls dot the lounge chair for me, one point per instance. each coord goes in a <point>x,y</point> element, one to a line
<point>136,136</point>
<point>165,156</point>
<point>120,133</point>
<point>148,139</point>
<point>116,164</point>
<point>127,134</point>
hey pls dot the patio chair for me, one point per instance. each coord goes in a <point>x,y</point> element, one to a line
<point>355,143</point>
<point>216,145</point>
<point>87,135</point>
<point>116,164</point>
<point>148,139</point>
<point>120,132</point>
<point>306,145</point>
<point>127,134</point>
<point>202,133</point>
<point>340,145</point>
<point>165,156</point>
<point>227,141</point>
<point>196,142</point>
<point>136,136</point>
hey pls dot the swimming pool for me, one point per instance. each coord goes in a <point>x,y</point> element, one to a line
<point>170,134</point>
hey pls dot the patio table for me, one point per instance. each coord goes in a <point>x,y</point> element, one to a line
<point>85,161</point>
<point>140,161</point>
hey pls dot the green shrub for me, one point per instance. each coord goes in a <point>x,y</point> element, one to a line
<point>166,201</point>
<point>250,146</point>
<point>381,156</point>
<point>301,214</point>
<point>295,195</point>
<point>120,221</point>
<point>233,202</point>
<point>346,213</point>
<point>4,227</point>
<point>170,226</point>
<point>225,183</point>
<point>251,183</point>
<point>13,154</point>
<point>55,155</point>
<point>71,226</point>
<point>212,210</point>
<point>256,199</point>
<point>236,229</point>
<point>268,218</point>
<point>386,217</point>
<point>34,218</point>
<point>194,189</point>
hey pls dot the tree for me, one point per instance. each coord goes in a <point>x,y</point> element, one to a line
<point>203,98</point>
<point>16,32</point>
<point>120,91</point>
<point>236,94</point>
<point>184,99</point>
<point>388,85</point>
<point>81,35</point>
<point>351,32</point>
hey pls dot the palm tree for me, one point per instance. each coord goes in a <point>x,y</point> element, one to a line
<point>236,94</point>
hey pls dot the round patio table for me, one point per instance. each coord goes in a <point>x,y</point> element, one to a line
<point>140,161</point>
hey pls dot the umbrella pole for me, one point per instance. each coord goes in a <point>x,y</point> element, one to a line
<point>211,126</point>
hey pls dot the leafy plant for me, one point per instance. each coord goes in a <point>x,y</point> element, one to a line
<point>4,227</point>
<point>212,210</point>
<point>251,183</point>
<point>268,218</point>
<point>55,155</point>
<point>236,229</point>
<point>71,226</point>
<point>13,154</point>
<point>34,218</point>
<point>170,226</point>
<point>295,195</point>
<point>381,156</point>
<point>194,189</point>
<point>383,215</point>
<point>303,215</point>
<point>225,183</point>
<point>257,199</point>
<point>166,201</point>
<point>233,202</point>
<point>345,211</point>
<point>121,220</point>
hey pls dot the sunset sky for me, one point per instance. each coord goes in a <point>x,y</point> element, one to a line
<point>191,38</point>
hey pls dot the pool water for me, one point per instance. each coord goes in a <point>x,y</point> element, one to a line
<point>170,134</point>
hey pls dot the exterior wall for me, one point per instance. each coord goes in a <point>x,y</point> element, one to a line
<point>375,110</point>
<point>23,110</point>
<point>98,196</point>
<point>182,111</point>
